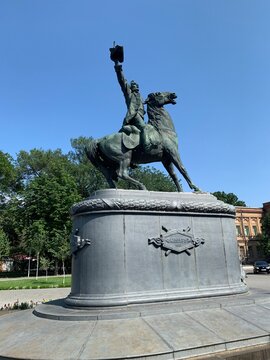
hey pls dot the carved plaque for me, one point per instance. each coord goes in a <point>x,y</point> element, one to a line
<point>176,241</point>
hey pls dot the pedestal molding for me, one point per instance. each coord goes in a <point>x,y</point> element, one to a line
<point>89,205</point>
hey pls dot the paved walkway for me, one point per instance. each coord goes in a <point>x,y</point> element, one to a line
<point>182,330</point>
<point>36,295</point>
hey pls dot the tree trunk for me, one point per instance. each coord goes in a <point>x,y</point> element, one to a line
<point>29,265</point>
<point>37,265</point>
<point>64,271</point>
<point>56,268</point>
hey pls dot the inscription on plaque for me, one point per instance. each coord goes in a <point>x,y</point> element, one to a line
<point>176,241</point>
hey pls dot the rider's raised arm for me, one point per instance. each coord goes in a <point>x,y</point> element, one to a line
<point>122,81</point>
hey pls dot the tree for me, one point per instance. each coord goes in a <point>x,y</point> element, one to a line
<point>45,264</point>
<point>48,199</point>
<point>4,244</point>
<point>264,237</point>
<point>60,247</point>
<point>153,179</point>
<point>9,181</point>
<point>37,237</point>
<point>38,162</point>
<point>88,178</point>
<point>7,171</point>
<point>13,224</point>
<point>8,184</point>
<point>228,198</point>
<point>50,191</point>
<point>266,225</point>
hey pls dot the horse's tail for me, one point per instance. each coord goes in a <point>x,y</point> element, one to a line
<point>91,151</point>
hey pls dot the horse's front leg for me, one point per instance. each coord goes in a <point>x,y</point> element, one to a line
<point>169,167</point>
<point>178,164</point>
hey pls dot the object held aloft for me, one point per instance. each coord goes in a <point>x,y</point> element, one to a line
<point>117,53</point>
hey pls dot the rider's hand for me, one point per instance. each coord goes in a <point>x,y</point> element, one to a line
<point>118,67</point>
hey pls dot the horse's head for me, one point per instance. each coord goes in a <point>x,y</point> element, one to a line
<point>159,99</point>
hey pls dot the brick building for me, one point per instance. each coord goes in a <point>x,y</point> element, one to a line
<point>248,226</point>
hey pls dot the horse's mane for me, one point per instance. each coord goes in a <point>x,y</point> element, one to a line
<point>159,117</point>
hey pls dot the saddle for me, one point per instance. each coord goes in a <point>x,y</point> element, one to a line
<point>132,137</point>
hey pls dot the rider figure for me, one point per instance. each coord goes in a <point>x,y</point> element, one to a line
<point>134,119</point>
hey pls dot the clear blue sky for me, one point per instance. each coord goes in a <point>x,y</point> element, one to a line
<point>57,81</point>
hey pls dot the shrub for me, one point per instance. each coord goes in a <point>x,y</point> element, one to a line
<point>19,306</point>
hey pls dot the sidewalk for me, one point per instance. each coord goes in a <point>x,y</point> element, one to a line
<point>181,330</point>
<point>36,295</point>
<point>248,268</point>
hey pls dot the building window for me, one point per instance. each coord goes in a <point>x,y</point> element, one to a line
<point>238,230</point>
<point>255,230</point>
<point>246,230</point>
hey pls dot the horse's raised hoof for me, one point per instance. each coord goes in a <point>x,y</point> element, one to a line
<point>196,189</point>
<point>142,187</point>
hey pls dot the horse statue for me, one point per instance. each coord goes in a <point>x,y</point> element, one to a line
<point>158,142</point>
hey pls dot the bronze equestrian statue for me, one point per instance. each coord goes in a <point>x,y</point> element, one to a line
<point>138,142</point>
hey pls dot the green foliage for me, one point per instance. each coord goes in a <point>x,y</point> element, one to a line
<point>60,246</point>
<point>49,193</point>
<point>19,306</point>
<point>42,207</point>
<point>32,283</point>
<point>45,263</point>
<point>153,179</point>
<point>38,162</point>
<point>22,306</point>
<point>266,225</point>
<point>11,220</point>
<point>36,236</point>
<point>4,244</point>
<point>228,198</point>
<point>264,237</point>
<point>9,179</point>
<point>49,197</point>
<point>7,172</point>
<point>88,178</point>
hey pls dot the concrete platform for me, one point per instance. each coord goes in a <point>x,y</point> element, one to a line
<point>172,330</point>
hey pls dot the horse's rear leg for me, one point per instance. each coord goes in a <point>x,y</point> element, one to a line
<point>108,175</point>
<point>178,164</point>
<point>124,174</point>
<point>169,167</point>
<point>110,182</point>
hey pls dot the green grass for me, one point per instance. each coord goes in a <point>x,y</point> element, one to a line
<point>40,283</point>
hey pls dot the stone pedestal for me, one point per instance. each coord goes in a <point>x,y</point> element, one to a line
<point>138,246</point>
